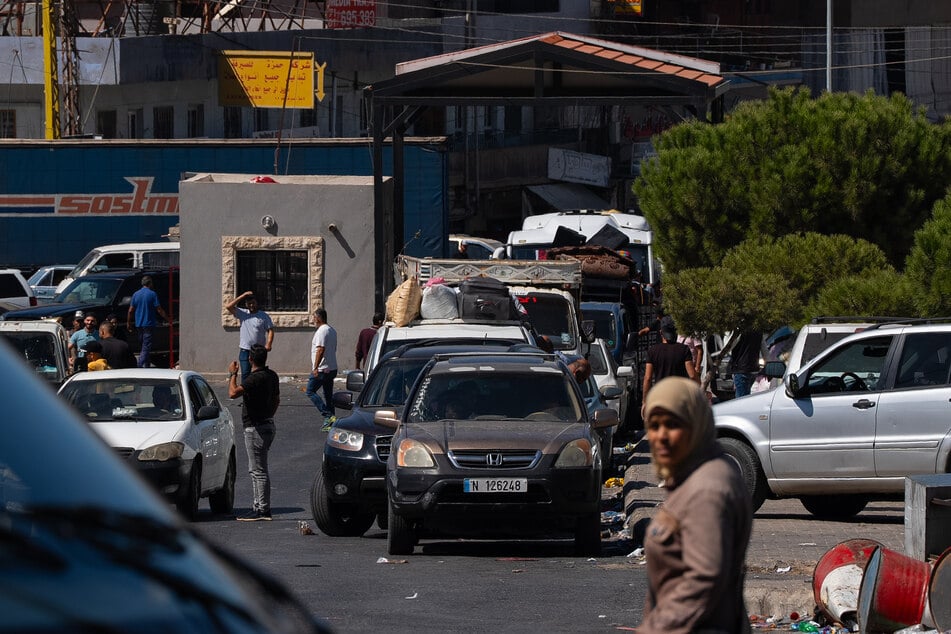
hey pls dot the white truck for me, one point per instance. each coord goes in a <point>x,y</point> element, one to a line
<point>539,233</point>
<point>548,291</point>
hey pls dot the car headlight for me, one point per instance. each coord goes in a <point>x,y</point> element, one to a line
<point>345,439</point>
<point>412,453</point>
<point>577,453</point>
<point>163,452</point>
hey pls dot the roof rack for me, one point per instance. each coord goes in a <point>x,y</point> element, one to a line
<point>914,321</point>
<point>540,354</point>
<point>828,319</point>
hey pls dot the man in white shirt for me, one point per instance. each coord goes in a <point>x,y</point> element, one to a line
<point>323,359</point>
<point>256,328</point>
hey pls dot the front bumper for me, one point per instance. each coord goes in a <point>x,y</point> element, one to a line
<point>356,477</point>
<point>169,477</point>
<point>440,499</point>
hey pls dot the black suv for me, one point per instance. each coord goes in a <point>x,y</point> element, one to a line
<point>100,294</point>
<point>494,445</point>
<point>349,489</point>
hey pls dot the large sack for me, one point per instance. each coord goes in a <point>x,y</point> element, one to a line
<point>439,302</point>
<point>402,306</point>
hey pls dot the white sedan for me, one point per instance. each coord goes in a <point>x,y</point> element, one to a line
<point>171,427</point>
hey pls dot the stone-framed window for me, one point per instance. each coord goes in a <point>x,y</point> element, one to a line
<point>285,273</point>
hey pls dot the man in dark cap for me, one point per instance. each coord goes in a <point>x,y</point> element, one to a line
<point>94,360</point>
<point>667,358</point>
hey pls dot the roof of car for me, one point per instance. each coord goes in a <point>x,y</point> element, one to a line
<point>523,361</point>
<point>124,273</point>
<point>132,373</point>
<point>427,348</point>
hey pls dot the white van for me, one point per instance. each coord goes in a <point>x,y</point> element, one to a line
<point>132,255</point>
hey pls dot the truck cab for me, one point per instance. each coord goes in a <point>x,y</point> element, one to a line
<point>542,232</point>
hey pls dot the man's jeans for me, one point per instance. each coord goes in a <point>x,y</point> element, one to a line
<point>145,338</point>
<point>743,383</point>
<point>244,360</point>
<point>257,440</point>
<point>323,380</point>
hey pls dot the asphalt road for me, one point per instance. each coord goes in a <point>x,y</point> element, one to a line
<point>447,586</point>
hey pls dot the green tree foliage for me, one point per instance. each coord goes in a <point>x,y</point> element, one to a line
<point>928,267</point>
<point>883,293</point>
<point>766,282</point>
<point>806,261</point>
<point>862,165</point>
<point>705,300</point>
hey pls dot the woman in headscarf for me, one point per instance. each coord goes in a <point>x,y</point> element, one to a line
<point>696,542</point>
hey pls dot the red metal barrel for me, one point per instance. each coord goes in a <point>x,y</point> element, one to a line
<point>939,592</point>
<point>838,577</point>
<point>894,592</point>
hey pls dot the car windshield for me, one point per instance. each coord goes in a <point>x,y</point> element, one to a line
<point>38,349</point>
<point>120,400</point>
<point>599,365</point>
<point>89,291</point>
<point>391,382</point>
<point>550,315</point>
<point>544,395</point>
<point>604,325</point>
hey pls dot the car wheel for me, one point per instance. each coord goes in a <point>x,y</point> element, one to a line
<point>834,507</point>
<point>222,500</point>
<point>400,535</point>
<point>748,463</point>
<point>188,498</point>
<point>336,519</point>
<point>588,535</point>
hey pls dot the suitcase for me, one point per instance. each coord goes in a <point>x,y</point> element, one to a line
<point>485,298</point>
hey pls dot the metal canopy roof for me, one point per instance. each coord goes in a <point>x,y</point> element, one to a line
<point>553,68</point>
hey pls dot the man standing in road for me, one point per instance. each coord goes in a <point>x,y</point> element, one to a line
<point>261,395</point>
<point>143,308</point>
<point>256,328</point>
<point>78,340</point>
<point>744,361</point>
<point>667,358</point>
<point>323,359</point>
<point>115,351</point>
<point>365,337</point>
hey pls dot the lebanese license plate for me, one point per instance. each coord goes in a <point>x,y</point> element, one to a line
<point>495,485</point>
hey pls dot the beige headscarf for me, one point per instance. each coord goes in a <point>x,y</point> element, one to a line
<point>684,399</point>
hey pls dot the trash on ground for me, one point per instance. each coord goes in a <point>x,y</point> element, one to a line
<point>614,482</point>
<point>305,528</point>
<point>415,594</point>
<point>784,569</point>
<point>384,560</point>
<point>637,552</point>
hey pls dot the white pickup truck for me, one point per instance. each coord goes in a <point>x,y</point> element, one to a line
<point>547,291</point>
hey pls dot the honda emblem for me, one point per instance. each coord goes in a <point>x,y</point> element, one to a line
<point>493,459</point>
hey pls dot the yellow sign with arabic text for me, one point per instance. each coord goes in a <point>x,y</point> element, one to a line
<point>266,79</point>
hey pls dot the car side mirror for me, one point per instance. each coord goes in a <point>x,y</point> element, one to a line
<point>604,418</point>
<point>386,418</point>
<point>624,371</point>
<point>774,369</point>
<point>126,300</point>
<point>207,412</point>
<point>611,392</point>
<point>356,380</point>
<point>343,400</point>
<point>793,389</point>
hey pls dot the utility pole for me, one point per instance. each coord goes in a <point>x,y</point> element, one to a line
<point>828,45</point>
<point>50,72</point>
<point>62,25</point>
